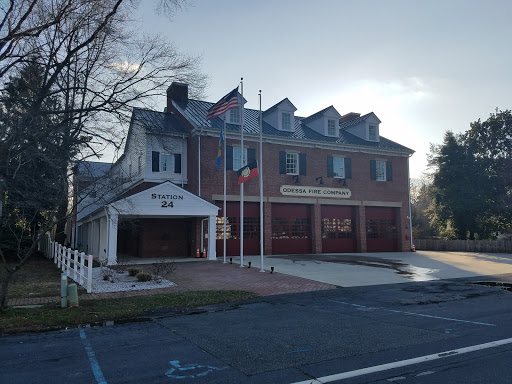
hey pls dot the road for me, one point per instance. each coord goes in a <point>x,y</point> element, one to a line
<point>421,332</point>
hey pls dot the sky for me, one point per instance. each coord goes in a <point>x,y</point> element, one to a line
<point>423,67</point>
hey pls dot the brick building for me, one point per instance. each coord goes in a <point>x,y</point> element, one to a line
<point>332,184</point>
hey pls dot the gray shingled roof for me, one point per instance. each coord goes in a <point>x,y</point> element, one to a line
<point>195,111</point>
<point>315,115</point>
<point>274,107</point>
<point>355,121</point>
<point>159,121</point>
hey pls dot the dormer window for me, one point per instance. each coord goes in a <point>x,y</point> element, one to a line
<point>234,116</point>
<point>372,133</point>
<point>331,127</point>
<point>286,121</point>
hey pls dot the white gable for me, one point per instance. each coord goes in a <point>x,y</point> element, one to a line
<point>166,199</point>
<point>275,117</point>
<point>320,123</point>
<point>362,129</point>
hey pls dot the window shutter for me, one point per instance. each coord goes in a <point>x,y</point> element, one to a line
<point>348,168</point>
<point>177,163</point>
<point>229,157</point>
<point>389,171</point>
<point>373,170</point>
<point>282,163</point>
<point>251,155</point>
<point>302,164</point>
<point>155,161</point>
<point>330,167</point>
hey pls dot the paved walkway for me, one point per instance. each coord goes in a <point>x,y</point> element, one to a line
<point>208,275</point>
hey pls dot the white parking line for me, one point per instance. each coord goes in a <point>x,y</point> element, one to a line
<point>404,363</point>
<point>416,314</point>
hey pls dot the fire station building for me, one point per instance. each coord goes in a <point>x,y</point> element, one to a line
<point>331,184</point>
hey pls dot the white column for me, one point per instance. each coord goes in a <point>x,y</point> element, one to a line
<point>112,239</point>
<point>212,234</point>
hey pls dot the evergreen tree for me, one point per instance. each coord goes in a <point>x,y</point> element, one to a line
<point>460,190</point>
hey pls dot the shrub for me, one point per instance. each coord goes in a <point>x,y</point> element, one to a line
<point>163,269</point>
<point>143,276</point>
<point>134,271</point>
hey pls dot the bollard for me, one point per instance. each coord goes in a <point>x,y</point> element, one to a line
<point>63,290</point>
<point>73,295</point>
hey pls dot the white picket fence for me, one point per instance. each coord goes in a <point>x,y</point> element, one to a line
<point>76,265</point>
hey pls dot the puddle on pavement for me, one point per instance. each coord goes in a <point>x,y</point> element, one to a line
<point>505,286</point>
<point>408,271</point>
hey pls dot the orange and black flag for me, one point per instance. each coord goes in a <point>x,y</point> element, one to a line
<point>248,172</point>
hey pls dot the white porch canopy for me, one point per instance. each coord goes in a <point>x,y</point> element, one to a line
<point>164,200</point>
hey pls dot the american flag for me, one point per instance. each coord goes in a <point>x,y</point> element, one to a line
<point>230,101</point>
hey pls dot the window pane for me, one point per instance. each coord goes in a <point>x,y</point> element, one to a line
<point>236,158</point>
<point>234,116</point>
<point>331,127</point>
<point>372,132</point>
<point>380,170</point>
<point>292,163</point>
<point>166,162</point>
<point>338,166</point>
<point>286,121</point>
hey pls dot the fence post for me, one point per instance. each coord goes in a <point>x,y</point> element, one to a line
<point>75,266</point>
<point>68,260</point>
<point>89,274</point>
<point>82,268</point>
<point>58,255</point>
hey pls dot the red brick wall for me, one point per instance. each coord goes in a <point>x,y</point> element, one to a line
<point>361,186</point>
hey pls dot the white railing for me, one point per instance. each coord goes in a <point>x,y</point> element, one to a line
<point>76,265</point>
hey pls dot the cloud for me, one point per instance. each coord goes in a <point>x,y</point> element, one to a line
<point>125,67</point>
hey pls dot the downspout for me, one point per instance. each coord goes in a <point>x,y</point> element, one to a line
<point>410,215</point>
<point>182,161</point>
<point>199,163</point>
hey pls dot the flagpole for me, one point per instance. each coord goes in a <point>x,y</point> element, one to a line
<point>242,184</point>
<point>224,207</point>
<point>260,166</point>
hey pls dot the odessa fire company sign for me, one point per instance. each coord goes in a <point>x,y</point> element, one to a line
<point>291,190</point>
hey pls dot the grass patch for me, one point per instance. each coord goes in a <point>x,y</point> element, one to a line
<point>51,316</point>
<point>39,277</point>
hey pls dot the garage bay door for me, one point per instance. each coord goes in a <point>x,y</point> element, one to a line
<point>291,229</point>
<point>381,229</point>
<point>338,229</point>
<point>251,229</point>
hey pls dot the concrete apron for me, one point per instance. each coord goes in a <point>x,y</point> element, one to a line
<point>362,269</point>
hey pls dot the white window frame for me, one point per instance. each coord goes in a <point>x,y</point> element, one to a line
<point>372,136</point>
<point>292,163</point>
<point>341,172</point>
<point>237,163</point>
<point>286,121</point>
<point>234,116</point>
<point>166,162</point>
<point>380,170</point>
<point>333,133</point>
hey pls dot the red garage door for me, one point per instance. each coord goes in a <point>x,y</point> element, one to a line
<point>251,229</point>
<point>381,230</point>
<point>291,229</point>
<point>338,229</point>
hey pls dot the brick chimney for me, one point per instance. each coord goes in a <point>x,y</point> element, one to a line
<point>176,92</point>
<point>349,116</point>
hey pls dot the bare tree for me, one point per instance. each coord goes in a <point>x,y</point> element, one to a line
<point>92,68</point>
